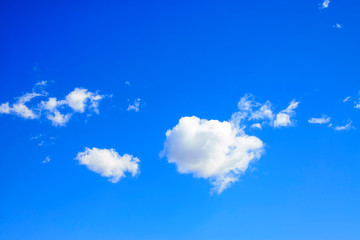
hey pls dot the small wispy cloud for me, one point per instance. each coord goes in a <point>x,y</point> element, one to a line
<point>127,83</point>
<point>20,107</point>
<point>263,114</point>
<point>347,99</point>
<point>135,106</point>
<point>283,119</point>
<point>46,160</point>
<point>57,111</point>
<point>323,120</point>
<point>345,127</point>
<point>338,26</point>
<point>325,4</point>
<point>256,125</point>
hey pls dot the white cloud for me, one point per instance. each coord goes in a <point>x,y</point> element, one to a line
<point>5,108</point>
<point>79,97</point>
<point>347,99</point>
<point>58,119</point>
<point>41,83</point>
<point>250,110</point>
<point>46,160</point>
<point>128,83</point>
<point>323,120</point>
<point>325,4</point>
<point>57,111</point>
<point>264,112</point>
<point>357,103</point>
<point>135,106</point>
<point>210,149</point>
<point>20,108</point>
<point>256,125</point>
<point>247,103</point>
<point>347,126</point>
<point>338,26</point>
<point>52,104</point>
<point>108,163</point>
<point>283,119</point>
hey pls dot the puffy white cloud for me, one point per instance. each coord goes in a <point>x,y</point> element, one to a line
<point>23,111</point>
<point>108,163</point>
<point>79,97</point>
<point>325,4</point>
<point>323,120</point>
<point>58,119</point>
<point>135,106</point>
<point>210,149</point>
<point>283,119</point>
<point>52,104</point>
<point>347,126</point>
<point>53,114</point>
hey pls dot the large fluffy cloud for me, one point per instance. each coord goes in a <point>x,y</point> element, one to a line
<point>210,149</point>
<point>108,163</point>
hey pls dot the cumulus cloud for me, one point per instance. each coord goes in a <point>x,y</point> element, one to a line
<point>283,119</point>
<point>135,106</point>
<point>323,120</point>
<point>210,149</point>
<point>79,98</point>
<point>325,4</point>
<point>57,111</point>
<point>108,163</point>
<point>347,126</point>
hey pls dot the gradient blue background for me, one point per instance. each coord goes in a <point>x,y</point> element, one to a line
<point>182,58</point>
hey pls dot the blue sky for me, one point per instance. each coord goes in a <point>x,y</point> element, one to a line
<point>179,120</point>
